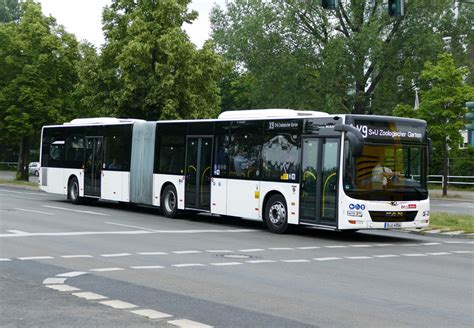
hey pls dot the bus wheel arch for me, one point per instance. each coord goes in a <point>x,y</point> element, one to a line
<point>169,200</point>
<point>275,212</point>
<point>73,190</point>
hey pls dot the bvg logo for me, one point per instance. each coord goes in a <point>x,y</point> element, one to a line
<point>271,125</point>
<point>357,207</point>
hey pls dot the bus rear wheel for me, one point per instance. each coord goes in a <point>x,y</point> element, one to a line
<point>73,191</point>
<point>169,202</point>
<point>276,214</point>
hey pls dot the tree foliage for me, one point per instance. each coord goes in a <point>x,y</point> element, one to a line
<point>149,67</point>
<point>354,59</point>
<point>37,60</point>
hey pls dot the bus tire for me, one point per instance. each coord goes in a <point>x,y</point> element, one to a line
<point>73,191</point>
<point>276,214</point>
<point>169,202</point>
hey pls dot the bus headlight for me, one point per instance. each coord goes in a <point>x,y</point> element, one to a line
<point>426,213</point>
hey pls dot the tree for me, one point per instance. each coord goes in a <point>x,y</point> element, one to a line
<point>9,11</point>
<point>37,59</point>
<point>150,69</point>
<point>354,59</point>
<point>442,104</point>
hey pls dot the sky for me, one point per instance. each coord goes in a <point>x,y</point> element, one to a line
<point>84,18</point>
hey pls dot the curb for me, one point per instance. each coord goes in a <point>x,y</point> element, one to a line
<point>16,186</point>
<point>440,234</point>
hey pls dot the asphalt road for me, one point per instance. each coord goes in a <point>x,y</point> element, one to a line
<point>119,264</point>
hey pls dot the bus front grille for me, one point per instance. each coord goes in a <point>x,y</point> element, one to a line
<point>393,216</point>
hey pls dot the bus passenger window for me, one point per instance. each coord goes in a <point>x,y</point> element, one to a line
<point>280,157</point>
<point>221,161</point>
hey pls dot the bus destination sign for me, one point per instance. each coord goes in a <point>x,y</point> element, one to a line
<point>379,130</point>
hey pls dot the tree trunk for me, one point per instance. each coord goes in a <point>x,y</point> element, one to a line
<point>23,158</point>
<point>445,168</point>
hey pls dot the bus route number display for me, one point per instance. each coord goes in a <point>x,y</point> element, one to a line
<point>390,131</point>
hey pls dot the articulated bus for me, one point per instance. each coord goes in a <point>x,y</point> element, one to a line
<point>279,166</point>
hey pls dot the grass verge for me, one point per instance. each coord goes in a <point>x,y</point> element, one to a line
<point>452,222</point>
<point>19,183</point>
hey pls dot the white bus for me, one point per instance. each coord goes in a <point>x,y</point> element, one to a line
<point>282,167</point>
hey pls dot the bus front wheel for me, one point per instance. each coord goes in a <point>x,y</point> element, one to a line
<point>169,202</point>
<point>73,191</point>
<point>276,214</point>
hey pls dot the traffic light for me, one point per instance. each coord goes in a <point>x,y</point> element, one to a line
<point>396,7</point>
<point>330,4</point>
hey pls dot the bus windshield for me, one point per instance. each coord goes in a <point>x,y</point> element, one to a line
<point>386,172</point>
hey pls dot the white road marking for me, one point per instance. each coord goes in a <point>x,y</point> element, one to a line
<point>71,210</point>
<point>295,261</point>
<point>151,314</point>
<point>152,253</point>
<point>116,255</point>
<point>281,248</point>
<point>147,267</point>
<point>35,258</point>
<point>386,256</point>
<point>90,296</point>
<point>63,288</point>
<point>50,281</point>
<point>33,211</point>
<point>252,250</point>
<point>4,260</point>
<point>186,252</point>
<point>410,245</point>
<point>439,253</point>
<point>185,323</point>
<point>185,265</point>
<point>24,193</point>
<point>107,269</point>
<point>218,251</point>
<point>71,274</point>
<point>260,261</point>
<point>129,226</point>
<point>358,257</point>
<point>430,244</point>
<point>13,196</point>
<point>17,232</point>
<point>383,244</point>
<point>462,252</point>
<point>414,254</point>
<point>308,247</point>
<point>360,246</point>
<point>116,304</point>
<point>335,246</point>
<point>326,258</point>
<point>226,263</point>
<point>75,256</point>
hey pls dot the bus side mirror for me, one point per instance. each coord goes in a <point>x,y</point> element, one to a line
<point>356,140</point>
<point>430,152</point>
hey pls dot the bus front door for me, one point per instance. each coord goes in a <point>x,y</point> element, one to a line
<point>93,166</point>
<point>198,173</point>
<point>318,202</point>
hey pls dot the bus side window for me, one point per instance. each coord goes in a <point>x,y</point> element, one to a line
<point>221,162</point>
<point>245,149</point>
<point>280,156</point>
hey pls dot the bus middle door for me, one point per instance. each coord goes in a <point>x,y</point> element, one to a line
<point>93,166</point>
<point>198,172</point>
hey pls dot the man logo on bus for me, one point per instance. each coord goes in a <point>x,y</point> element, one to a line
<point>357,207</point>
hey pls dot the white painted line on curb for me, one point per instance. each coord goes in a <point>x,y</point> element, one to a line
<point>152,253</point>
<point>260,261</point>
<point>107,269</point>
<point>39,212</point>
<point>35,258</point>
<point>225,263</point>
<point>186,252</point>
<point>439,253</point>
<point>63,288</point>
<point>116,255</point>
<point>147,267</point>
<point>295,261</point>
<point>252,250</point>
<point>385,256</point>
<point>77,211</point>
<point>50,281</point>
<point>90,296</point>
<point>71,274</point>
<point>151,314</point>
<point>185,323</point>
<point>116,304</point>
<point>75,256</point>
<point>185,265</point>
<point>326,258</point>
<point>308,247</point>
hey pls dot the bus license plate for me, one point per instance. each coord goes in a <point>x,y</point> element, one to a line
<point>392,225</point>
